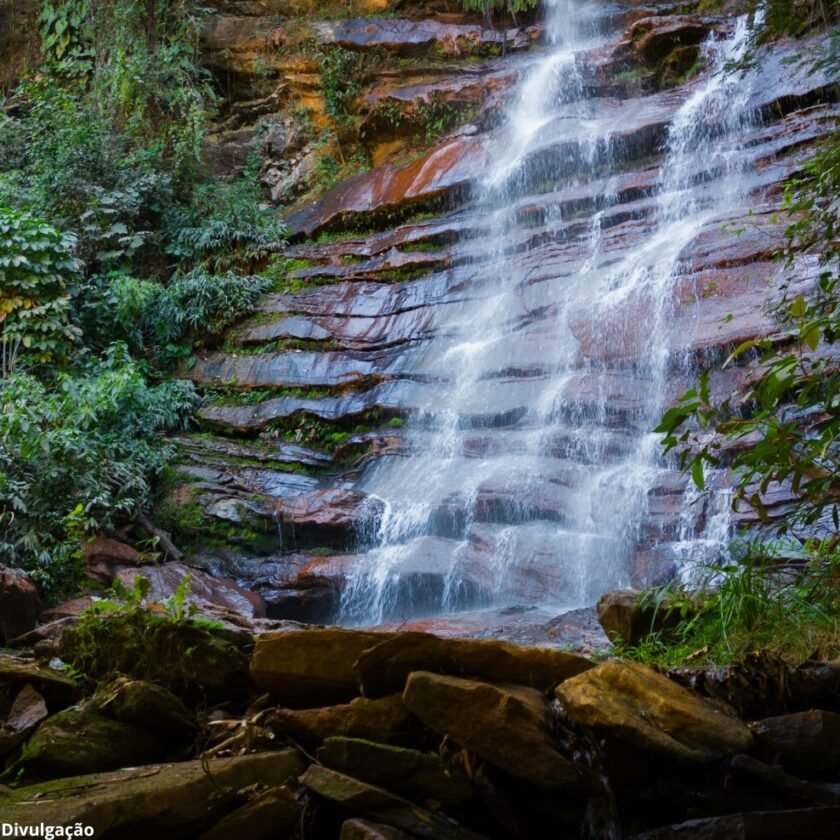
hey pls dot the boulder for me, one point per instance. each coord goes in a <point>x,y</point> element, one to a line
<point>626,616</point>
<point>813,823</point>
<point>195,663</point>
<point>386,720</point>
<point>506,725</point>
<point>147,705</point>
<point>366,830</point>
<point>414,774</point>
<point>760,684</point>
<point>384,669</point>
<point>204,589</point>
<point>268,816</point>
<point>27,711</point>
<point>805,742</point>
<point>76,742</point>
<point>750,776</point>
<point>19,604</point>
<point>378,804</point>
<point>634,704</point>
<point>170,800</point>
<point>311,667</point>
<point>59,691</point>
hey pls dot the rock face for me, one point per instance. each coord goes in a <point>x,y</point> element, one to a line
<point>376,134</point>
<point>484,717</point>
<point>632,703</point>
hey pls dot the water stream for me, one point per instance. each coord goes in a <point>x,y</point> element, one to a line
<point>531,474</point>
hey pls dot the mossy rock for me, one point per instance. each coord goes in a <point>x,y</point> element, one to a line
<point>148,705</point>
<point>194,663</point>
<point>76,742</point>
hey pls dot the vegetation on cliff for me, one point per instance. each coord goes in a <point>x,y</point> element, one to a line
<point>119,256</point>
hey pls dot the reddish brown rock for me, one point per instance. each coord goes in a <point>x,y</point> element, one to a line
<point>19,604</point>
<point>451,165</point>
<point>654,37</point>
<point>27,711</point>
<point>203,589</point>
<point>404,36</point>
<point>323,518</point>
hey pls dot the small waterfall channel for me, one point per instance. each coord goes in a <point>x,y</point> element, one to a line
<point>531,474</point>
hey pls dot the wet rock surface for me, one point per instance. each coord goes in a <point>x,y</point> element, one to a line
<point>331,369</point>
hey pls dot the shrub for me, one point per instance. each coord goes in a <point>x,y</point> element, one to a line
<point>80,457</point>
<point>163,322</point>
<point>226,225</point>
<point>36,266</point>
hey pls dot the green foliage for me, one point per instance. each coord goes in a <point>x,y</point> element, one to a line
<point>163,323</point>
<point>80,456</point>
<point>161,642</point>
<point>762,601</point>
<point>797,17</point>
<point>36,266</point>
<point>489,6</point>
<point>62,28</point>
<point>65,162</point>
<point>343,72</point>
<point>785,428</point>
<point>138,59</point>
<point>225,226</point>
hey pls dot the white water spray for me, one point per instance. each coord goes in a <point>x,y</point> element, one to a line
<point>532,474</point>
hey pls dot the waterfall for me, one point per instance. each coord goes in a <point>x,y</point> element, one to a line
<point>531,474</point>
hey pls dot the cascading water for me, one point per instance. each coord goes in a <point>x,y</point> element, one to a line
<point>530,472</point>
